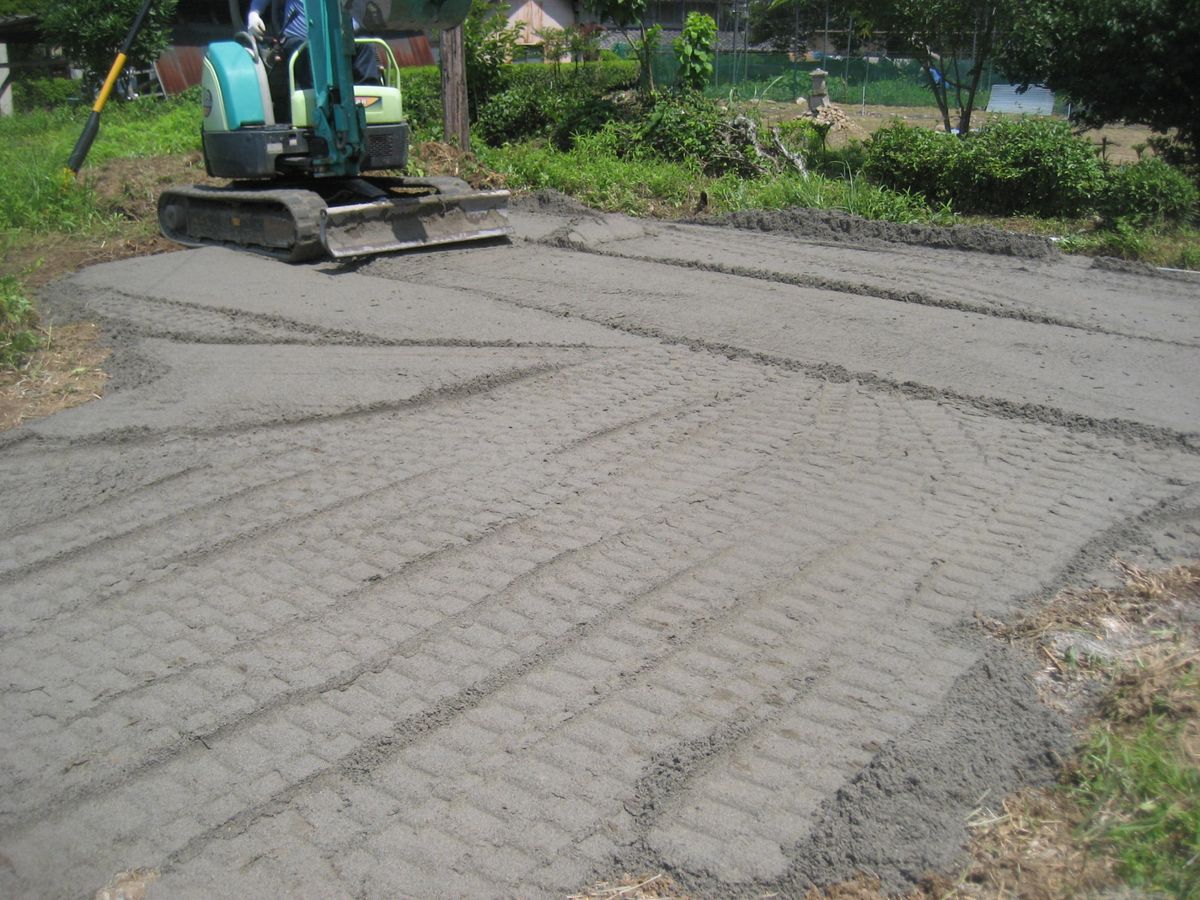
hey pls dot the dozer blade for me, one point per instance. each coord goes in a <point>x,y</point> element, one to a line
<point>402,223</point>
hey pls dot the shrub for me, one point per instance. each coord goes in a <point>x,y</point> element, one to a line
<point>422,85</point>
<point>603,76</point>
<point>1031,166</point>
<point>683,126</point>
<point>519,112</point>
<point>583,114</point>
<point>848,159</point>
<point>488,42</point>
<point>805,137</point>
<point>1148,192</point>
<point>908,158</point>
<point>17,319</point>
<point>422,93</point>
<point>694,50</point>
<point>89,31</point>
<point>597,173</point>
<point>554,102</point>
<point>45,93</point>
<point>1014,166</point>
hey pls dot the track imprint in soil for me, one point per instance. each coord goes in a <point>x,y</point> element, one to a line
<point>501,570</point>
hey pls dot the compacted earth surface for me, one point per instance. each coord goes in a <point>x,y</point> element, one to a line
<point>621,547</point>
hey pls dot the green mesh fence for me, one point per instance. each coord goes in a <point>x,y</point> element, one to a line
<point>776,76</point>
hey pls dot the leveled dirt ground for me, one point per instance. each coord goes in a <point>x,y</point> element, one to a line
<point>627,547</point>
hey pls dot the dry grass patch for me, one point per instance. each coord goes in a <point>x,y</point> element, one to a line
<point>1109,634</point>
<point>131,885</point>
<point>437,158</point>
<point>1127,813</point>
<point>65,372</point>
<point>1125,819</point>
<point>634,887</point>
<point>1028,849</point>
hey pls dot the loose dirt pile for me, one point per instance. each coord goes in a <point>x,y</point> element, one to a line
<point>553,203</point>
<point>835,225</point>
<point>834,117</point>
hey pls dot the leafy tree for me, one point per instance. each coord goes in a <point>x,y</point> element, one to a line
<point>774,23</point>
<point>694,50</point>
<point>952,39</point>
<point>786,24</point>
<point>488,44</point>
<point>1117,60</point>
<point>554,44</point>
<point>23,7</point>
<point>583,42</point>
<point>91,31</point>
<point>626,14</point>
<point>580,43</point>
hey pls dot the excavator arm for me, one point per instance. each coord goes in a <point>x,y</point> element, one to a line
<point>339,121</point>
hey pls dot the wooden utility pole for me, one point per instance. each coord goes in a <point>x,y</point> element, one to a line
<point>454,89</point>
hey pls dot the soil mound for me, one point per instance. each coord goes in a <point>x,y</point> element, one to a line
<point>1124,266</point>
<point>551,202</point>
<point>905,814</point>
<point>835,225</point>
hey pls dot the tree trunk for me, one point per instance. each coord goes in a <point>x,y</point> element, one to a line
<point>981,53</point>
<point>647,76</point>
<point>939,93</point>
<point>455,122</point>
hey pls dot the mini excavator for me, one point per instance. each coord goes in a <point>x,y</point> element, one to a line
<point>298,137</point>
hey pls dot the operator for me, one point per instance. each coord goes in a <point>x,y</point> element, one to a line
<point>295,33</point>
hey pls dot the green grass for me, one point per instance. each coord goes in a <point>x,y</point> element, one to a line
<point>633,186</point>
<point>787,87</point>
<point>593,173</point>
<point>37,194</point>
<point>1142,797</point>
<point>17,319</point>
<point>1176,248</point>
<point>891,92</point>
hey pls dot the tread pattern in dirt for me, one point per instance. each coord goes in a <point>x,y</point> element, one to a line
<point>468,670</point>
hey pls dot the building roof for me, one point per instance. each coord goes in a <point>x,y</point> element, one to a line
<point>612,37</point>
<point>1009,98</point>
<point>26,29</point>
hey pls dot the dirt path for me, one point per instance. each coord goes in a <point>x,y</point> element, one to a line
<point>624,547</point>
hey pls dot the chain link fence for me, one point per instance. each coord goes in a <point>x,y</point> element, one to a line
<point>752,75</point>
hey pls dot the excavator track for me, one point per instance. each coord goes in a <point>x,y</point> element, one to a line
<point>294,224</point>
<point>283,223</point>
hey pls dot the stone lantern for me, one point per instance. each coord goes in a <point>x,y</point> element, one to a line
<point>820,94</point>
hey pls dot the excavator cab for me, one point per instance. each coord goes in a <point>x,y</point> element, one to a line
<point>259,122</point>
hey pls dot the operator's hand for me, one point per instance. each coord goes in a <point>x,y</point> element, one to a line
<point>255,25</point>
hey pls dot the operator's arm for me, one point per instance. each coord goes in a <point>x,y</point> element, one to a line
<point>254,20</point>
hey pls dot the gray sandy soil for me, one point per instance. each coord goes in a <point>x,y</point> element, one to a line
<point>625,547</point>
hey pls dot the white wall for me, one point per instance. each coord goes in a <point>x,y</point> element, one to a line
<point>538,14</point>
